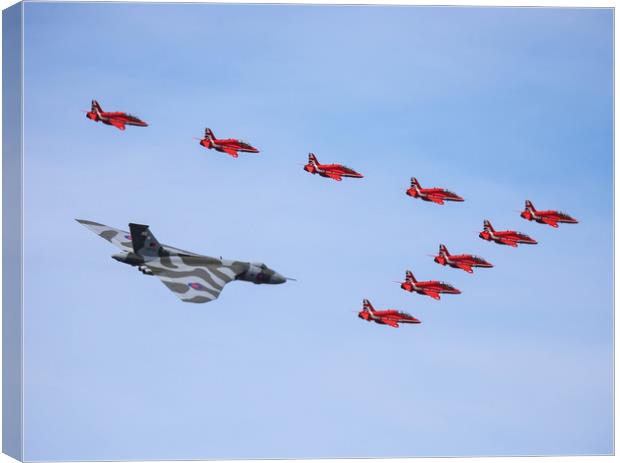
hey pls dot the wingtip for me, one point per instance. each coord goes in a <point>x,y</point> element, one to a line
<point>89,223</point>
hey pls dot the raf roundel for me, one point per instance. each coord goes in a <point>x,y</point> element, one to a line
<point>197,286</point>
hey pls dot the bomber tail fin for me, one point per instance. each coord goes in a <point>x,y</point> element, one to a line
<point>144,242</point>
<point>409,276</point>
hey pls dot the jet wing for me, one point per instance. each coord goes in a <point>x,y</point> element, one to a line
<point>435,199</point>
<point>465,267</point>
<point>553,223</point>
<point>512,243</point>
<point>390,322</point>
<point>194,278</point>
<point>231,151</point>
<point>119,238</point>
<point>119,125</point>
<point>336,177</point>
<point>433,294</point>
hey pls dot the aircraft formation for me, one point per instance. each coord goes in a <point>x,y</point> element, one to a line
<point>197,278</point>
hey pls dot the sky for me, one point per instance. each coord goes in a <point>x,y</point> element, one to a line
<point>499,105</point>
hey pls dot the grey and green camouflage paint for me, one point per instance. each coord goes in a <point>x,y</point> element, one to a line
<point>192,277</point>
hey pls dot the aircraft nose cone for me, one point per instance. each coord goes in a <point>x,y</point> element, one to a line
<point>277,279</point>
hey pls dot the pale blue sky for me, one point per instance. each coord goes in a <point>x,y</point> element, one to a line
<point>499,105</point>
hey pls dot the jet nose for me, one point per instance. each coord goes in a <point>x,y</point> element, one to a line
<point>277,279</point>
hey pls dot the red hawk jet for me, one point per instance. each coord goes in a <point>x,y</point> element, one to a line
<point>436,195</point>
<point>117,119</point>
<point>463,261</point>
<point>549,217</point>
<point>428,288</point>
<point>507,237</point>
<point>385,317</point>
<point>333,171</point>
<point>229,146</point>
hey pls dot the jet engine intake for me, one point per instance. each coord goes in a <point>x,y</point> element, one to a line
<point>145,270</point>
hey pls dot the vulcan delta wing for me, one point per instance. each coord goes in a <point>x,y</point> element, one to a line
<point>190,276</point>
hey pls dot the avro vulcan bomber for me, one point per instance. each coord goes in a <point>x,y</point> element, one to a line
<point>191,277</point>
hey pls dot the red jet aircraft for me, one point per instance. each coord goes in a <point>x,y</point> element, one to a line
<point>463,261</point>
<point>507,237</point>
<point>549,217</point>
<point>436,195</point>
<point>385,317</point>
<point>229,146</point>
<point>427,288</point>
<point>117,119</point>
<point>333,171</point>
